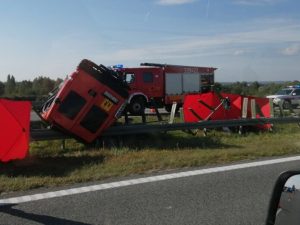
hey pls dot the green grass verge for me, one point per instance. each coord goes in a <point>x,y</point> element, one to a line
<point>48,165</point>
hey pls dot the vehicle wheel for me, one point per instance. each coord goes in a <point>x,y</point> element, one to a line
<point>286,104</point>
<point>136,106</point>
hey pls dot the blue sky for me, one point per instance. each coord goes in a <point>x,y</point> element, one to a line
<point>246,40</point>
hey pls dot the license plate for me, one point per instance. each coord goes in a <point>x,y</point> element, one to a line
<point>106,105</point>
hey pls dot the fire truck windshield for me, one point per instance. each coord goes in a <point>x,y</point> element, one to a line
<point>129,78</point>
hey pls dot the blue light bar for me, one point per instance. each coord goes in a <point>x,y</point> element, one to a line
<point>118,66</point>
<point>294,86</point>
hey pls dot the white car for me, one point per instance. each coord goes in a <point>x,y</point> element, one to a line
<point>289,96</point>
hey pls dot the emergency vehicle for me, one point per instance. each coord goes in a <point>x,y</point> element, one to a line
<point>287,97</point>
<point>162,84</point>
<point>89,101</point>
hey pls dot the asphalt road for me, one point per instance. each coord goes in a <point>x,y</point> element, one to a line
<point>233,197</point>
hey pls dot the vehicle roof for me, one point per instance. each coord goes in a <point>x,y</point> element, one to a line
<point>292,87</point>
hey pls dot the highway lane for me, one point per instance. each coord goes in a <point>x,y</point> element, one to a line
<point>238,196</point>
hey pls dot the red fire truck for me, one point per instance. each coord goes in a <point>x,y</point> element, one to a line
<point>87,102</point>
<point>163,84</point>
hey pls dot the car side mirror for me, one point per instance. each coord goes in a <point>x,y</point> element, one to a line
<point>285,201</point>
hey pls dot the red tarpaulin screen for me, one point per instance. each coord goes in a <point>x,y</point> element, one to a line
<point>201,104</point>
<point>14,129</point>
<point>207,106</point>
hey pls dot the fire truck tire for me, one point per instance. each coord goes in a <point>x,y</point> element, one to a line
<point>136,106</point>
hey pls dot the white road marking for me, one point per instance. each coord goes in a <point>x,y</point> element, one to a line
<point>124,183</point>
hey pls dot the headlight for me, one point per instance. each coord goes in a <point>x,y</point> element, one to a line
<point>276,101</point>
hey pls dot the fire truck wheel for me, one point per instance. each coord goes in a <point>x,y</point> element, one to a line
<point>137,106</point>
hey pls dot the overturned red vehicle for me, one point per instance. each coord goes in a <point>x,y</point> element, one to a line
<point>87,102</point>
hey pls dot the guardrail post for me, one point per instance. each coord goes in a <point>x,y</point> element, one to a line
<point>126,117</point>
<point>241,130</point>
<point>280,104</point>
<point>63,144</point>
<point>181,115</point>
<point>156,109</point>
<point>271,108</point>
<point>157,114</point>
<point>144,117</point>
<point>173,111</point>
<point>204,132</point>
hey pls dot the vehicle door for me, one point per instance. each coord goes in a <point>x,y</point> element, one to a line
<point>296,97</point>
<point>151,81</point>
<point>130,78</point>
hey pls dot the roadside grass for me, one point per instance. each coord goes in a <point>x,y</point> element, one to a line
<point>49,165</point>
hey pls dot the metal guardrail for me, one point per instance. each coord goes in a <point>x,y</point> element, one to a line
<point>48,134</point>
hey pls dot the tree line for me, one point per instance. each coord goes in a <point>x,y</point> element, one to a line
<point>36,88</point>
<point>41,86</point>
<point>254,88</point>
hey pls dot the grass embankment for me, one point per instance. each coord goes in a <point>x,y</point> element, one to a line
<point>48,165</point>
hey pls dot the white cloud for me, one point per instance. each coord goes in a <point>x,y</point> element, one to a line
<point>239,52</point>
<point>174,2</point>
<point>256,2</point>
<point>236,43</point>
<point>291,50</point>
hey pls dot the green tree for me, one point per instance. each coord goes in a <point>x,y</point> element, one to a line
<point>240,88</point>
<point>252,88</point>
<point>10,85</point>
<point>218,87</point>
<point>42,85</point>
<point>58,82</point>
<point>24,88</point>
<point>2,88</point>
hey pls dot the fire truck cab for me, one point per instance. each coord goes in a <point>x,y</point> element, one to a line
<point>160,85</point>
<point>89,101</point>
